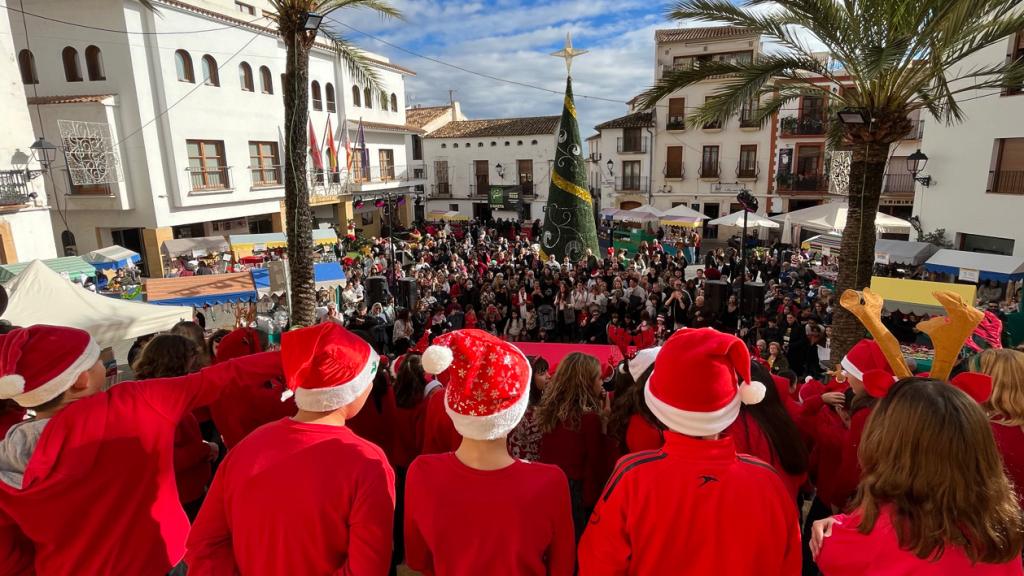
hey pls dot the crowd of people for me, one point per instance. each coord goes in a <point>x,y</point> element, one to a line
<point>381,436</point>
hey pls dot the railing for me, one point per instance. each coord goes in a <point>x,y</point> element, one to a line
<point>527,189</point>
<point>676,123</point>
<point>632,145</point>
<point>916,131</point>
<point>99,189</point>
<point>748,171</point>
<point>379,174</point>
<point>206,179</point>
<point>679,174</point>
<point>899,184</point>
<point>803,182</point>
<point>748,119</point>
<point>14,188</point>
<point>803,126</point>
<point>267,176</point>
<point>716,125</point>
<point>1006,182</point>
<point>479,189</point>
<point>441,190</point>
<point>709,170</point>
<point>634,184</point>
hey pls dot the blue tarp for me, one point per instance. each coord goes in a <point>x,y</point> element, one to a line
<point>323,273</point>
<point>261,278</point>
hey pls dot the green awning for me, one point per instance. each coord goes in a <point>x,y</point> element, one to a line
<point>75,266</point>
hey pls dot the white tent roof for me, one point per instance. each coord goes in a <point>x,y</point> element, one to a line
<point>831,217</point>
<point>684,212</point>
<point>111,256</point>
<point>754,220</point>
<point>39,295</point>
<point>639,214</point>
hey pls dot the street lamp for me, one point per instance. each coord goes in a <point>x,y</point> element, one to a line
<point>749,204</point>
<point>44,152</point>
<point>311,21</point>
<point>501,171</point>
<point>915,165</point>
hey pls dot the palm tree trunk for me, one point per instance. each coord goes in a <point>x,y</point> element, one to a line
<point>857,251</point>
<point>296,197</point>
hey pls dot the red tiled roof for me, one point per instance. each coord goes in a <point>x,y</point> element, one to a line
<point>72,99</point>
<point>382,127</point>
<point>498,127</point>
<point>421,116</point>
<point>700,33</point>
<point>634,120</point>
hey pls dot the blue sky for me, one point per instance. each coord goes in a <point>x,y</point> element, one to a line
<point>513,39</point>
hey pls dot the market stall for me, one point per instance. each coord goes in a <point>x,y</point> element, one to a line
<point>446,215</point>
<point>823,244</point>
<point>38,295</point>
<point>328,275</point>
<point>915,296</point>
<point>903,252</point>
<point>112,257</point>
<point>195,247</point>
<point>977,266</point>
<point>201,291</point>
<point>249,247</point>
<point>74,267</point>
<point>831,217</point>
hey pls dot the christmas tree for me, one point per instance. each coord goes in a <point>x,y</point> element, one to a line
<point>569,226</point>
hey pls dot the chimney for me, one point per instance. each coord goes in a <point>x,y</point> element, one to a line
<point>456,111</point>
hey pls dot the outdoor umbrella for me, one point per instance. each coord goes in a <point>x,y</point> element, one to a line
<point>645,213</point>
<point>754,220</point>
<point>831,217</point>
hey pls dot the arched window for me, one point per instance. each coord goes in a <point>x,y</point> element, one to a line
<point>394,102</point>
<point>355,96</point>
<point>266,80</point>
<point>367,98</point>
<point>331,102</point>
<point>245,77</point>
<point>27,64</point>
<point>318,103</point>
<point>183,63</point>
<point>210,75</point>
<point>72,69</point>
<point>94,63</point>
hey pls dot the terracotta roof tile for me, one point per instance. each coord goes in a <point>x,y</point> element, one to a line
<point>420,117</point>
<point>700,33</point>
<point>634,120</point>
<point>498,127</point>
<point>68,99</point>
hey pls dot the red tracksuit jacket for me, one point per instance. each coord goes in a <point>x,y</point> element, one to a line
<point>297,498</point>
<point>694,507</point>
<point>99,495</point>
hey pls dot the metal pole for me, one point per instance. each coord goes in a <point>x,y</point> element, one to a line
<point>743,272</point>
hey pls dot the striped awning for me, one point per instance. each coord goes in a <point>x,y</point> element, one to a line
<point>74,266</point>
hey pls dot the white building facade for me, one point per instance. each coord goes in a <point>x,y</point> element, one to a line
<point>976,193</point>
<point>468,159</point>
<point>25,229</point>
<point>166,135</point>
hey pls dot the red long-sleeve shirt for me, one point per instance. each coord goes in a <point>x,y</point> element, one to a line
<point>297,498</point>
<point>642,435</point>
<point>439,433</point>
<point>99,495</point>
<point>695,507</point>
<point>579,454</point>
<point>515,521</point>
<point>751,439</point>
<point>239,410</point>
<point>408,434</point>
<point>191,460</point>
<point>377,426</point>
<point>1010,441</point>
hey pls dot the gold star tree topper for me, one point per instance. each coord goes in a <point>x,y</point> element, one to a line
<point>568,53</point>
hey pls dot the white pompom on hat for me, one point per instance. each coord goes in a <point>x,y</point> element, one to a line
<point>488,386</point>
<point>694,388</point>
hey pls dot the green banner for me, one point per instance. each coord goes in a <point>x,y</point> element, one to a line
<point>569,226</point>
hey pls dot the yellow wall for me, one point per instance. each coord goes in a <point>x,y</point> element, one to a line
<point>152,241</point>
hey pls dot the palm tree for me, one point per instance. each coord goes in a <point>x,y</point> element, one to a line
<point>289,16</point>
<point>900,56</point>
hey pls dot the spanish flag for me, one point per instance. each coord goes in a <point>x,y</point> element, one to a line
<point>314,149</point>
<point>332,149</point>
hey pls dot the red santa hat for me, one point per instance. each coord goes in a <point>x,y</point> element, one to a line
<point>39,363</point>
<point>489,382</point>
<point>866,362</point>
<point>326,366</point>
<point>641,362</point>
<point>238,343</point>
<point>693,389</point>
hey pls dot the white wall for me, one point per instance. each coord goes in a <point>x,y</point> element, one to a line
<point>959,160</point>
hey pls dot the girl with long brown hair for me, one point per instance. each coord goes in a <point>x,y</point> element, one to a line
<point>933,498</point>
<point>630,422</point>
<point>1006,409</point>
<point>569,416</point>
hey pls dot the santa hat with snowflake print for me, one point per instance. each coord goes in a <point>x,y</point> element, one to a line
<point>488,382</point>
<point>694,389</point>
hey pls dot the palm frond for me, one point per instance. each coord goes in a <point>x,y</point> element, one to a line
<point>360,66</point>
<point>382,7</point>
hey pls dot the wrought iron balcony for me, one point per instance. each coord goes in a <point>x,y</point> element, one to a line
<point>632,184</point>
<point>675,172</point>
<point>709,170</point>
<point>632,145</point>
<point>14,188</point>
<point>266,176</point>
<point>916,132</point>
<point>748,119</point>
<point>899,184</point>
<point>803,125</point>
<point>210,179</point>
<point>748,170</point>
<point>441,190</point>
<point>676,123</point>
<point>803,182</point>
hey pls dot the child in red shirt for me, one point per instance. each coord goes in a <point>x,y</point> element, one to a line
<point>934,498</point>
<point>695,506</point>
<point>631,423</point>
<point>516,514</point>
<point>87,486</point>
<point>304,495</point>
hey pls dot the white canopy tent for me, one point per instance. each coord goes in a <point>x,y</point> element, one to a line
<point>112,257</point>
<point>684,212</point>
<point>754,220</point>
<point>831,217</point>
<point>645,213</point>
<point>39,295</point>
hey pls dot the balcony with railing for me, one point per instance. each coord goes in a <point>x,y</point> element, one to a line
<point>632,185</point>
<point>527,189</point>
<point>807,125</point>
<point>710,170</point>
<point>631,145</point>
<point>715,125</point>
<point>480,189</point>
<point>899,184</point>
<point>802,182</point>
<point>748,170</point>
<point>676,123</point>
<point>14,188</point>
<point>748,119</point>
<point>215,179</point>
<point>441,190</point>
<point>675,172</point>
<point>266,176</point>
<point>1006,182</point>
<point>916,131</point>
